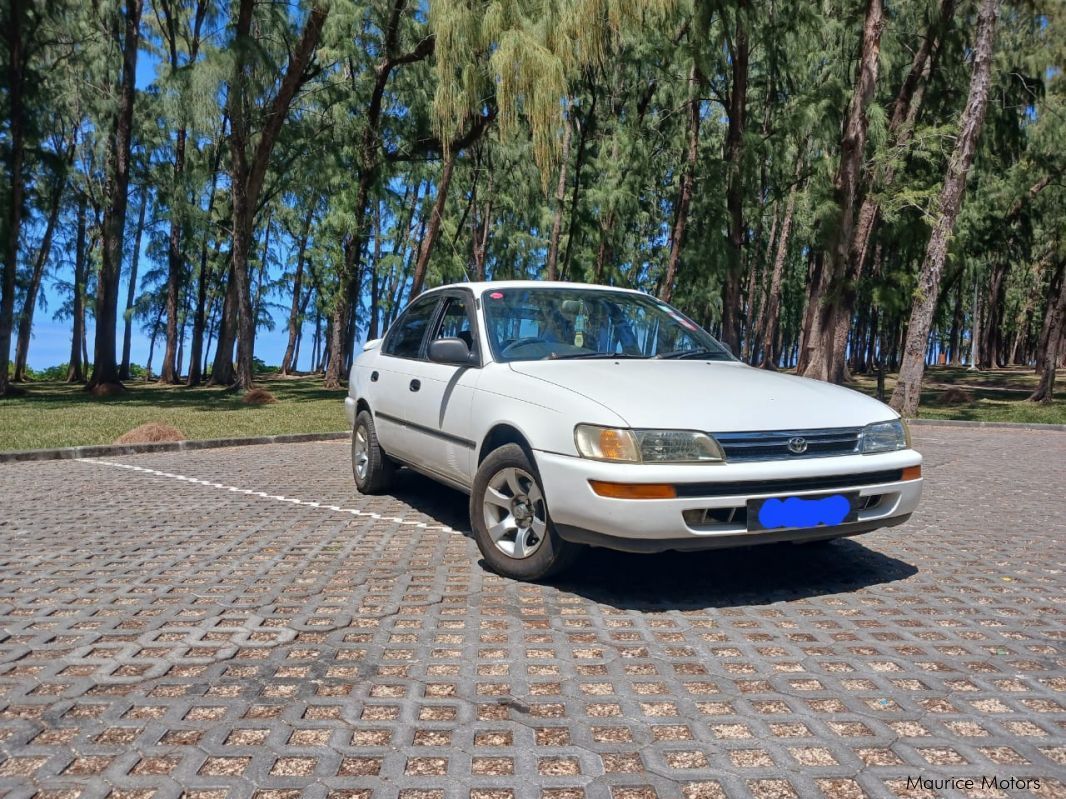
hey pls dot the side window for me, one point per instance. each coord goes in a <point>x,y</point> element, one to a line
<point>406,340</point>
<point>455,322</point>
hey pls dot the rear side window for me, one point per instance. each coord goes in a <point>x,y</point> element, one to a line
<point>405,340</point>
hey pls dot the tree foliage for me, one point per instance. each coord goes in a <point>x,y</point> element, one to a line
<point>777,170</point>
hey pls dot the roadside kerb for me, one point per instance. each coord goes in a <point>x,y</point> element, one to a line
<point>110,450</point>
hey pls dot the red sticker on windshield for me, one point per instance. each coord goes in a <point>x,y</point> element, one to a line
<point>496,295</point>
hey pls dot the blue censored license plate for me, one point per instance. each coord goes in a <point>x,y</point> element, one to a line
<point>798,513</point>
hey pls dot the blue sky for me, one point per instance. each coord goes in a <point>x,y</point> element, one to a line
<point>51,340</point>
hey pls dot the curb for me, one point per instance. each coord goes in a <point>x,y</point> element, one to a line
<point>989,425</point>
<point>104,450</point>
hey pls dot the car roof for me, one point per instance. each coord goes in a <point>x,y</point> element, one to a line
<point>480,287</point>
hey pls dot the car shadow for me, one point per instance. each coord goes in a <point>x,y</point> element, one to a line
<point>442,504</point>
<point>758,575</point>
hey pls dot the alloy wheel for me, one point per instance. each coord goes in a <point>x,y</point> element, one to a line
<point>515,513</point>
<point>360,453</point>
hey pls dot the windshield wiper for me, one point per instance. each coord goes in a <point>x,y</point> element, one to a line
<point>589,356</point>
<point>679,354</point>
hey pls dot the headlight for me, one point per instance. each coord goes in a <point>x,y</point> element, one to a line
<point>646,446</point>
<point>884,437</point>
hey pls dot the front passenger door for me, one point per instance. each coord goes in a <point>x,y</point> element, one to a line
<point>438,413</point>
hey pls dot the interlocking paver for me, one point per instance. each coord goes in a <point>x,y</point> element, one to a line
<point>241,623</point>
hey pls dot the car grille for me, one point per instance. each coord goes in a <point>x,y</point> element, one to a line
<point>773,445</point>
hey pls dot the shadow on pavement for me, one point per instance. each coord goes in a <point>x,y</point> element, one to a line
<point>444,505</point>
<point>757,575</point>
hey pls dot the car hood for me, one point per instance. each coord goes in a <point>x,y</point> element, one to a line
<point>707,395</point>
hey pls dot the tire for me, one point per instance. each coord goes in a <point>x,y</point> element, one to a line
<point>372,468</point>
<point>522,545</point>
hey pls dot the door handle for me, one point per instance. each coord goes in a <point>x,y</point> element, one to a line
<point>415,385</point>
<point>373,377</point>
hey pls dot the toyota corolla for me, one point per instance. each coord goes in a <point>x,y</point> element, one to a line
<point>579,415</point>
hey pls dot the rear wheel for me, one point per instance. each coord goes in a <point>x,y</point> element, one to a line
<point>372,468</point>
<point>510,519</point>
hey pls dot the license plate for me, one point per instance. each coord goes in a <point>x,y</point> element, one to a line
<point>798,513</point>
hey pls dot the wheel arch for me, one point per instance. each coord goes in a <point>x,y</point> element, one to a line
<point>501,434</point>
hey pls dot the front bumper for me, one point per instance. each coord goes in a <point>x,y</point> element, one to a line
<point>695,521</point>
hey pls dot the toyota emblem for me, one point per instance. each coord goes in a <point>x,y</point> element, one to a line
<point>797,445</point>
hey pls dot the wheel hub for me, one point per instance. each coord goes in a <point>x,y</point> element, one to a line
<point>522,511</point>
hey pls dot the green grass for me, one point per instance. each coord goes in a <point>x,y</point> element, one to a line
<point>54,414</point>
<point>61,415</point>
<point>996,395</point>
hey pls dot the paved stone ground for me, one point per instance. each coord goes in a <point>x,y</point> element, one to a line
<point>166,636</point>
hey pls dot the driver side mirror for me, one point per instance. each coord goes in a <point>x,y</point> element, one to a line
<point>451,350</point>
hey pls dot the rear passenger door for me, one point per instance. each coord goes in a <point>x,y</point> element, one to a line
<point>392,377</point>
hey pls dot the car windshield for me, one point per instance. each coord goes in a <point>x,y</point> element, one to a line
<point>532,324</point>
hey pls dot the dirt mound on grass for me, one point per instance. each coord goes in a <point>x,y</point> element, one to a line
<point>258,396</point>
<point>150,433</point>
<point>956,396</point>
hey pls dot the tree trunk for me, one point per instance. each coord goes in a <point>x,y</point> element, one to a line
<point>16,72</point>
<point>29,304</point>
<point>479,234</point>
<point>175,266</point>
<point>222,373</point>
<point>772,307</point>
<point>176,252</point>
<point>75,369</point>
<point>151,344</point>
<point>375,283</point>
<point>734,198</point>
<point>369,164</point>
<point>900,130</point>
<point>825,351</point>
<point>263,271</point>
<point>992,338</point>
<point>560,201</point>
<point>287,364</point>
<point>401,284</point>
<point>105,365</point>
<point>907,394</point>
<point>1054,325</point>
<point>686,189</point>
<point>955,339</point>
<point>131,292</point>
<point>197,359</point>
<point>584,126</point>
<point>1043,340</point>
<point>248,169</point>
<point>436,215</point>
<point>815,273</point>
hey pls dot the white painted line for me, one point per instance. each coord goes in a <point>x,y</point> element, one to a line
<point>264,495</point>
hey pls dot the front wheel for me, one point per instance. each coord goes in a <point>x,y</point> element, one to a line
<point>509,516</point>
<point>372,468</point>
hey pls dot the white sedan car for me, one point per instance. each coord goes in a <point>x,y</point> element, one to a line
<point>585,415</point>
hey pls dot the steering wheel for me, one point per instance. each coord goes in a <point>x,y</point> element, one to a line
<point>523,342</point>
